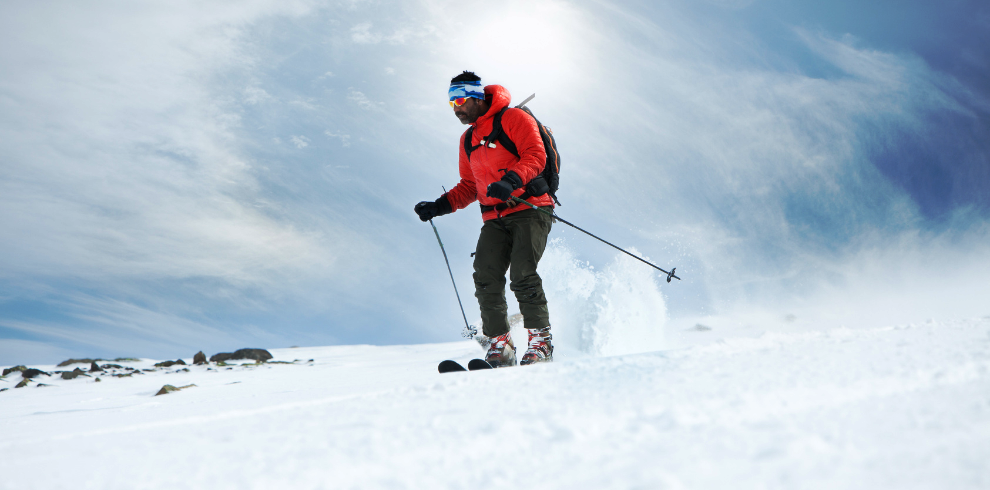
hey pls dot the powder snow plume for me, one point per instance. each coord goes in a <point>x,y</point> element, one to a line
<point>614,311</point>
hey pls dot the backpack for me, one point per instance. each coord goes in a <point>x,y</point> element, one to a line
<point>549,180</point>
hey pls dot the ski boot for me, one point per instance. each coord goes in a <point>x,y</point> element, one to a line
<point>501,352</point>
<point>540,348</point>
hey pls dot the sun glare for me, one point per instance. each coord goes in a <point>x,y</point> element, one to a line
<point>537,45</point>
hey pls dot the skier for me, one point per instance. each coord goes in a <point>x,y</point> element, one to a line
<point>512,237</point>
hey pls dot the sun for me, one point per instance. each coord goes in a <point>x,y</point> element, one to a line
<point>529,46</point>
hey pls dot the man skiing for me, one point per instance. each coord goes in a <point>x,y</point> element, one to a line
<point>513,237</point>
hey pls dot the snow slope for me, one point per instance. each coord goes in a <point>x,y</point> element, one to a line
<point>890,407</point>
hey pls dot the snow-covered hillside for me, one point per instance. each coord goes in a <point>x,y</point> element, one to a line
<point>888,407</point>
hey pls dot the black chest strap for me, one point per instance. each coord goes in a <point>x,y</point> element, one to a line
<point>497,134</point>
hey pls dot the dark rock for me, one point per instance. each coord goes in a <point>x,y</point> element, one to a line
<point>97,380</point>
<point>199,358</point>
<point>31,373</point>
<point>23,383</point>
<point>180,362</point>
<point>112,366</point>
<point>39,385</point>
<point>95,368</point>
<point>253,354</point>
<point>169,388</point>
<point>3,389</point>
<point>166,390</point>
<point>7,371</point>
<point>75,373</point>
<point>77,361</point>
<point>126,359</point>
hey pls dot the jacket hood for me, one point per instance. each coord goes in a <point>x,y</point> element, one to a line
<point>500,100</point>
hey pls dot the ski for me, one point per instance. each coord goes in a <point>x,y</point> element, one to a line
<point>449,366</point>
<point>478,364</point>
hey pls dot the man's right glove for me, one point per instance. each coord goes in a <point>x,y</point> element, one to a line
<point>502,189</point>
<point>428,210</point>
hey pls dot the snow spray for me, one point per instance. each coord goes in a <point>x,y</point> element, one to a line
<point>618,310</point>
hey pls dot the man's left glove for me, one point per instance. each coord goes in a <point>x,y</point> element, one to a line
<point>428,210</point>
<point>502,189</point>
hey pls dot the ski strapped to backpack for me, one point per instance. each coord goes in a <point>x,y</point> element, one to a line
<point>549,179</point>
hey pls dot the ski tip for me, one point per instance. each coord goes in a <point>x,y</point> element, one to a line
<point>449,366</point>
<point>477,364</point>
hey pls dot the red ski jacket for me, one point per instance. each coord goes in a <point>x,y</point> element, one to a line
<point>488,165</point>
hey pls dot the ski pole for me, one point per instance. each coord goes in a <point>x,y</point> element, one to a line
<point>524,102</point>
<point>469,332</point>
<point>558,218</point>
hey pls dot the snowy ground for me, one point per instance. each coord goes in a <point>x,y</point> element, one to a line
<point>888,407</point>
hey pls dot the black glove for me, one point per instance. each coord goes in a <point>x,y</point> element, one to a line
<point>428,210</point>
<point>502,189</point>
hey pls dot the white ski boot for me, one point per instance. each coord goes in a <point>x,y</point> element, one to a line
<point>501,352</point>
<point>540,347</point>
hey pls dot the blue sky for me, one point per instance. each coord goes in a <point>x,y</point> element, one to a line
<point>175,177</point>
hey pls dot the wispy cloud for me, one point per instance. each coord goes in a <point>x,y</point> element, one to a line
<point>255,95</point>
<point>300,141</point>
<point>364,33</point>
<point>361,34</point>
<point>120,165</point>
<point>363,101</point>
<point>770,171</point>
<point>345,139</point>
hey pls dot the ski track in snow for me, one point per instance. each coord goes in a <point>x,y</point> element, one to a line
<point>894,407</point>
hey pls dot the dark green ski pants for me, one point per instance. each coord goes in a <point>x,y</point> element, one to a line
<point>513,243</point>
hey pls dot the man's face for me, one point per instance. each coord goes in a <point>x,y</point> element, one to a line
<point>470,111</point>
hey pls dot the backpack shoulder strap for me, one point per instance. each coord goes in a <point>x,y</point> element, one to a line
<point>468,148</point>
<point>498,134</point>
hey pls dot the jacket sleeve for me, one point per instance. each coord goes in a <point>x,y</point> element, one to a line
<point>465,192</point>
<point>522,130</point>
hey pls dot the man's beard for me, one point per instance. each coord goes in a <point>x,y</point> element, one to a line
<point>470,113</point>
